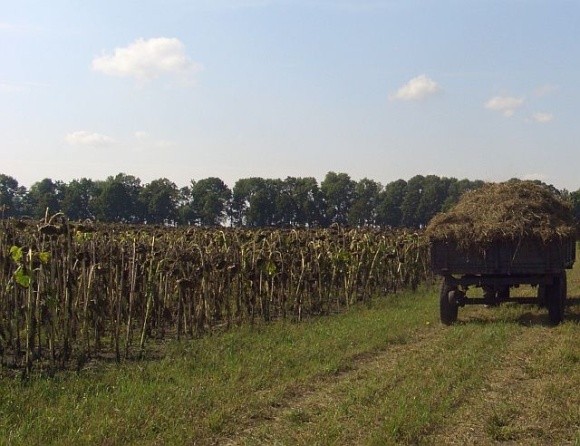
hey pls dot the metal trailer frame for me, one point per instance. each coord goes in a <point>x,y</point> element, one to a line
<point>499,268</point>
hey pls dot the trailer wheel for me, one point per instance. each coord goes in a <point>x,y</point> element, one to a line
<point>556,298</point>
<point>448,303</point>
<point>542,296</point>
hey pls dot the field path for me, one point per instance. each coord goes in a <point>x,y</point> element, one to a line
<point>516,403</point>
<point>328,391</point>
<point>486,381</point>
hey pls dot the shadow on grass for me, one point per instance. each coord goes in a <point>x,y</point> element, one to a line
<point>80,362</point>
<point>532,317</point>
<point>527,319</point>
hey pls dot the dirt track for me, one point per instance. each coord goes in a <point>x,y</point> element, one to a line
<point>518,402</point>
<point>524,383</point>
<point>328,391</point>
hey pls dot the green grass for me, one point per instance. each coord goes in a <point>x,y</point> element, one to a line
<point>385,373</point>
<point>204,388</point>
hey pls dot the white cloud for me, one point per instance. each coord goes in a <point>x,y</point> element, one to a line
<point>543,118</point>
<point>141,134</point>
<point>84,138</point>
<point>146,60</point>
<point>507,105</point>
<point>416,89</point>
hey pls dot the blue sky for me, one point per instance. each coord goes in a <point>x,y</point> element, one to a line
<point>187,89</point>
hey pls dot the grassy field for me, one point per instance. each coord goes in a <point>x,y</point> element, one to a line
<point>384,373</point>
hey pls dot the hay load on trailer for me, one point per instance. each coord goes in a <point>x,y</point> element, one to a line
<point>501,236</point>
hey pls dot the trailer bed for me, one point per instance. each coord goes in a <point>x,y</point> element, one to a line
<point>526,257</point>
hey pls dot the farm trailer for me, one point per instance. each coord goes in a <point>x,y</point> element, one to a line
<point>498,269</point>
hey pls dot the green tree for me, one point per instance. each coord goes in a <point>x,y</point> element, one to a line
<point>338,192</point>
<point>241,194</point>
<point>432,199</point>
<point>185,212</point>
<point>575,201</point>
<point>363,210</point>
<point>44,197</point>
<point>411,200</point>
<point>77,199</point>
<point>305,202</point>
<point>159,201</point>
<point>11,195</point>
<point>389,204</point>
<point>118,199</point>
<point>254,202</point>
<point>208,201</point>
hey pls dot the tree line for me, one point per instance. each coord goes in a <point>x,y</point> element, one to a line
<point>252,202</point>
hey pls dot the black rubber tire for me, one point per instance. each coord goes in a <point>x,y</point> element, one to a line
<point>447,303</point>
<point>542,296</point>
<point>556,298</point>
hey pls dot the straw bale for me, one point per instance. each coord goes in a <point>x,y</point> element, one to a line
<point>504,212</point>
